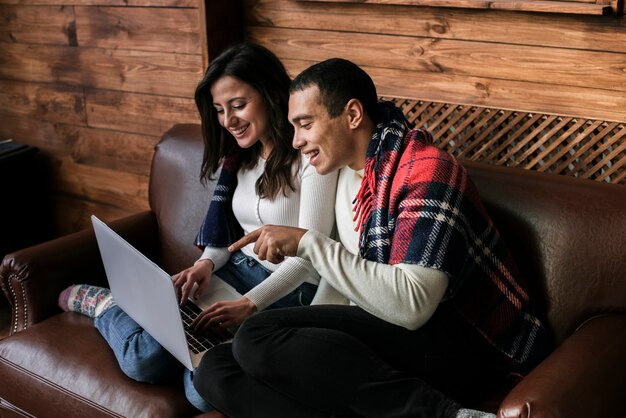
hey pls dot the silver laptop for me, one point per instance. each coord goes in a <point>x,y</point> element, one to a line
<point>147,294</point>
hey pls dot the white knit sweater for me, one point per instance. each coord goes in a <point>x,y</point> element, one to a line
<point>403,294</point>
<point>310,206</point>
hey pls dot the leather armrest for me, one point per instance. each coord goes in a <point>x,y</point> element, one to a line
<point>32,278</point>
<point>584,377</point>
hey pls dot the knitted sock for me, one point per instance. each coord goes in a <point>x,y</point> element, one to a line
<point>472,413</point>
<point>86,299</point>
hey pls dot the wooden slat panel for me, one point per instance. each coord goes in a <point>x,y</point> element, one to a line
<point>159,73</point>
<point>72,213</point>
<point>36,63</point>
<point>547,6</point>
<point>566,31</point>
<point>583,145</point>
<point>569,145</point>
<point>520,63</point>
<point>137,71</point>
<point>120,151</point>
<point>146,29</point>
<point>507,95</point>
<point>539,162</point>
<point>138,113</point>
<point>500,135</point>
<point>42,101</point>
<point>32,130</point>
<point>37,24</point>
<point>577,147</point>
<point>164,3</point>
<point>605,151</point>
<point>128,191</point>
<point>144,3</point>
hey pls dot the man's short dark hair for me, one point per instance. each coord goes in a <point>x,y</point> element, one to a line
<point>339,80</point>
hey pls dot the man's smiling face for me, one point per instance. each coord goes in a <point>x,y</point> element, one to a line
<point>324,140</point>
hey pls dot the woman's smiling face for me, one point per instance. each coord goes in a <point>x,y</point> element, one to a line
<point>241,110</point>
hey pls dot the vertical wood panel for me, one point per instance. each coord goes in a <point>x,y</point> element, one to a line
<point>167,74</point>
<point>43,102</point>
<point>93,84</point>
<point>553,63</point>
<point>137,113</point>
<point>568,67</point>
<point>120,151</point>
<point>563,31</point>
<point>37,24</point>
<point>142,29</point>
<point>103,185</point>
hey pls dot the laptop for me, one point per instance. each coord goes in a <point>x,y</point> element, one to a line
<point>147,294</point>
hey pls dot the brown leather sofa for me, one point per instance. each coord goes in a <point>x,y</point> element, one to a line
<point>567,235</point>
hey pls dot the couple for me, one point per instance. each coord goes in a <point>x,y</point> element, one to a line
<point>419,304</point>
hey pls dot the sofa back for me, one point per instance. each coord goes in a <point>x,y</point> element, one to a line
<point>177,196</point>
<point>567,235</point>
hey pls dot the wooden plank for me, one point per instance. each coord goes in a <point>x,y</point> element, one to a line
<point>124,3</point>
<point>73,214</point>
<point>47,136</point>
<point>159,73</point>
<point>36,63</point>
<point>131,153</point>
<point>566,67</point>
<point>137,113</point>
<point>507,95</point>
<point>128,191</point>
<point>573,7</point>
<point>46,102</point>
<point>37,24</point>
<point>65,2</point>
<point>137,71</point>
<point>566,31</point>
<point>119,151</point>
<point>164,3</point>
<point>145,29</point>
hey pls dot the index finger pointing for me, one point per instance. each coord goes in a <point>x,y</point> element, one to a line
<point>249,238</point>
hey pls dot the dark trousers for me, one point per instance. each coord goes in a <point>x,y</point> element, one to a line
<point>331,360</point>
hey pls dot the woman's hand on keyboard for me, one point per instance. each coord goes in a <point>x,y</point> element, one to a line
<point>200,273</point>
<point>224,314</point>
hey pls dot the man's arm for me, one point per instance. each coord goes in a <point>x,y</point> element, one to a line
<point>405,295</point>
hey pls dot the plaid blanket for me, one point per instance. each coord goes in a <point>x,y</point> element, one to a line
<point>220,227</point>
<point>417,205</point>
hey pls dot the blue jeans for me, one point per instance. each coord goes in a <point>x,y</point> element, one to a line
<point>143,359</point>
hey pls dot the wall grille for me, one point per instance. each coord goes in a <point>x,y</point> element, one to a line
<point>577,147</point>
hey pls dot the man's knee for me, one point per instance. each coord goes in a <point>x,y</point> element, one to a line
<point>255,342</point>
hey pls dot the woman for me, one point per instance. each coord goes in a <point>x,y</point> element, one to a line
<point>243,104</point>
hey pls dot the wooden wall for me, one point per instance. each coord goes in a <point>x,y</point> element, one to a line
<point>548,62</point>
<point>93,84</point>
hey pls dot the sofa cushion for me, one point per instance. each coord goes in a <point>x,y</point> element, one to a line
<point>62,367</point>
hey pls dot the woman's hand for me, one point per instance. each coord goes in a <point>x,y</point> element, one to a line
<point>224,314</point>
<point>200,273</point>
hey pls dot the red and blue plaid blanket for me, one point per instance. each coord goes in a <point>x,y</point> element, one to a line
<point>417,205</point>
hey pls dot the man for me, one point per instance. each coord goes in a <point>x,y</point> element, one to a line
<point>420,297</point>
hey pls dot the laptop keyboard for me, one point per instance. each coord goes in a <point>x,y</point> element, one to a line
<point>199,343</point>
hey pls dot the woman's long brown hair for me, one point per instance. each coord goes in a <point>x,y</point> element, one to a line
<point>263,71</point>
